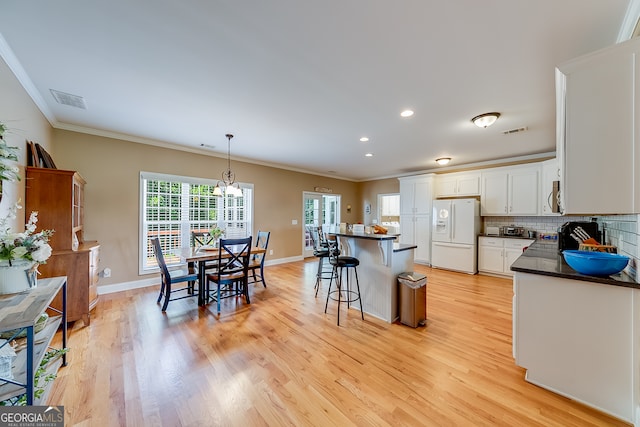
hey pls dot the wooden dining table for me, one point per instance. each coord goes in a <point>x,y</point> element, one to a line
<point>201,255</point>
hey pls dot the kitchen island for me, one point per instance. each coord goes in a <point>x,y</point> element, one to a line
<point>578,335</point>
<point>381,261</point>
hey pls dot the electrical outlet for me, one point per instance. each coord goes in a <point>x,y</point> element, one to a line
<point>270,251</point>
<point>106,272</point>
<point>294,222</point>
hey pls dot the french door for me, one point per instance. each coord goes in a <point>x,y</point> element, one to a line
<point>318,209</point>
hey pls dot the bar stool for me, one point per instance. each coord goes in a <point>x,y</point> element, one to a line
<point>339,263</point>
<point>320,251</point>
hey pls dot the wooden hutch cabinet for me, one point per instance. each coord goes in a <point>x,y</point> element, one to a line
<point>58,197</point>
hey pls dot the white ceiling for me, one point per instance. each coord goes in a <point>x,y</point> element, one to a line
<point>299,82</point>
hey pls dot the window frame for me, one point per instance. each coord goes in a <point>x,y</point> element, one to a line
<point>185,226</point>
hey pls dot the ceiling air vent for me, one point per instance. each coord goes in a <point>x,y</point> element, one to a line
<point>68,99</point>
<point>509,132</point>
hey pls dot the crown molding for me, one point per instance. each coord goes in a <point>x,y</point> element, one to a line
<point>630,21</point>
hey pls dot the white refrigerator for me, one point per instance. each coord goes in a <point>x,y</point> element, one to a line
<point>454,234</point>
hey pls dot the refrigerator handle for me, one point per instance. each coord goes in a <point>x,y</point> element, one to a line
<point>453,221</point>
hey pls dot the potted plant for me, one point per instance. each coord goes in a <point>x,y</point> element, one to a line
<point>216,233</point>
<point>8,155</point>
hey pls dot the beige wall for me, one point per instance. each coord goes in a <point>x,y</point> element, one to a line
<point>24,122</point>
<point>111,168</point>
<point>369,194</point>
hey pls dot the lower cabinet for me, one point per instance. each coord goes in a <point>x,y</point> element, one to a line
<point>496,254</point>
<point>416,230</point>
<point>81,269</point>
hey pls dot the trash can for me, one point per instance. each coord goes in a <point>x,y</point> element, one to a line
<point>413,298</point>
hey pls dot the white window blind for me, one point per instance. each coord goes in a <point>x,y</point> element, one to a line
<point>390,205</point>
<point>173,206</point>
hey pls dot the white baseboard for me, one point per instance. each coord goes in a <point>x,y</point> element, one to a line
<point>284,260</point>
<point>127,286</point>
<point>155,279</point>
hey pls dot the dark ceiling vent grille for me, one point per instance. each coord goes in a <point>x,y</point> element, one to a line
<point>509,132</point>
<point>68,99</point>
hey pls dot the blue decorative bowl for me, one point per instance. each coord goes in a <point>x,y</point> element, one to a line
<point>595,263</point>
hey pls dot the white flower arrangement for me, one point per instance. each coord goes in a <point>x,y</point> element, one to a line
<point>8,155</point>
<point>28,245</point>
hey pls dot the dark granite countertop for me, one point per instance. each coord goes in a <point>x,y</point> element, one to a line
<point>363,235</point>
<point>542,257</point>
<point>507,237</point>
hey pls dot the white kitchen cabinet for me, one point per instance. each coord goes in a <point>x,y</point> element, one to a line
<point>510,191</point>
<point>458,184</point>
<point>579,339</point>
<point>550,174</point>
<point>416,198</point>
<point>496,254</point>
<point>597,136</point>
<point>416,194</point>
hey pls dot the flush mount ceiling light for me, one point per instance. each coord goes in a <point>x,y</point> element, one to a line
<point>369,155</point>
<point>443,160</point>
<point>228,183</point>
<point>406,113</point>
<point>485,120</point>
<point>364,139</point>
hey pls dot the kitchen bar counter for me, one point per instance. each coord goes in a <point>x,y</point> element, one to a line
<point>381,261</point>
<point>577,335</point>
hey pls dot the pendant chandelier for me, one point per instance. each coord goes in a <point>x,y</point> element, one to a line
<point>228,186</point>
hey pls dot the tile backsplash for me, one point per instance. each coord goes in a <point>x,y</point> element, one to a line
<point>620,230</point>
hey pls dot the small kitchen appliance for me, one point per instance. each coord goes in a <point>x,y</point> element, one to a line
<point>492,231</point>
<point>572,233</point>
<point>513,231</point>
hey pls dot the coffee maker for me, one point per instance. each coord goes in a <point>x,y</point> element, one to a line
<point>568,238</point>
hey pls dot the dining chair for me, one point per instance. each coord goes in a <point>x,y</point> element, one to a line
<point>169,277</point>
<point>201,238</point>
<point>257,260</point>
<point>231,276</point>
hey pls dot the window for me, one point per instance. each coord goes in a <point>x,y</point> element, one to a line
<point>173,206</point>
<point>389,205</point>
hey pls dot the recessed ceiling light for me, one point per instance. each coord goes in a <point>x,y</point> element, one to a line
<point>364,139</point>
<point>443,160</point>
<point>369,155</point>
<point>407,113</point>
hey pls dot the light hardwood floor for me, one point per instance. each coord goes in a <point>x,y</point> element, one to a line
<point>282,361</point>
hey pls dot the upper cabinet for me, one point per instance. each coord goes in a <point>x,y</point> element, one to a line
<point>416,194</point>
<point>58,197</point>
<point>510,191</point>
<point>597,136</point>
<point>458,184</point>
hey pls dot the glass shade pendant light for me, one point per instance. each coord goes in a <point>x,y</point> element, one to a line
<point>485,120</point>
<point>228,185</point>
